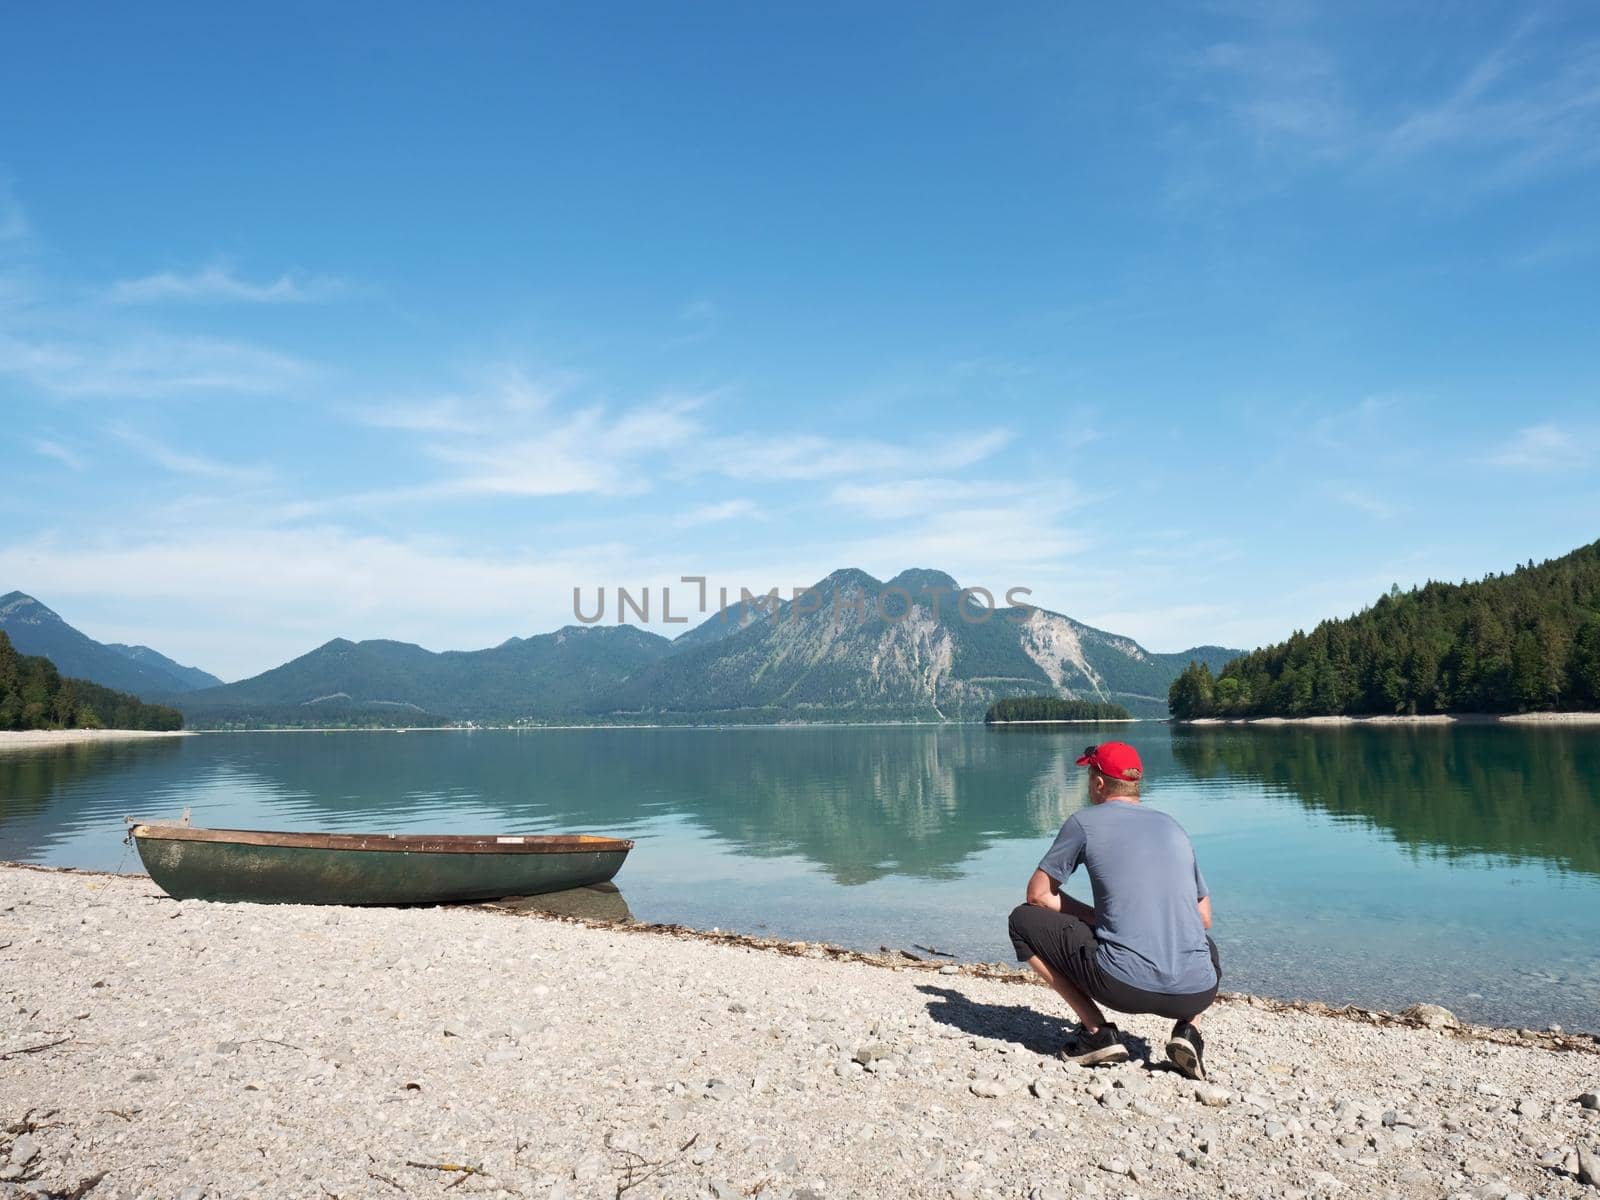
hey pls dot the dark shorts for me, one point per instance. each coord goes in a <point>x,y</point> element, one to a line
<point>1068,947</point>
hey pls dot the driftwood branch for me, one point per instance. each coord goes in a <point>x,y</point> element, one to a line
<point>465,1168</point>
<point>636,1168</point>
<point>39,1049</point>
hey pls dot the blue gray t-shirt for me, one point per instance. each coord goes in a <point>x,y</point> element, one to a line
<point>1146,886</point>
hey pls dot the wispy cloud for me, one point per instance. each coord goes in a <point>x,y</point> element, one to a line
<point>447,414</point>
<point>579,455</point>
<point>591,449</point>
<point>506,399</point>
<point>1166,626</point>
<point>812,456</point>
<point>1355,429</point>
<point>53,449</point>
<point>1544,447</point>
<point>528,436</point>
<point>900,498</point>
<point>996,542</point>
<point>711,514</point>
<point>148,365</point>
<point>1523,108</point>
<point>1282,89</point>
<point>1363,501</point>
<point>1556,251</point>
<point>181,462</point>
<point>518,437</point>
<point>1181,549</point>
<point>1259,108</point>
<point>54,341</point>
<point>697,322</point>
<point>1526,107</point>
<point>218,284</point>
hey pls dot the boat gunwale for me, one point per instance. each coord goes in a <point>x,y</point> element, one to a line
<point>400,843</point>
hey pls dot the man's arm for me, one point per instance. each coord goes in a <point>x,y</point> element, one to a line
<point>1205,911</point>
<point>1045,892</point>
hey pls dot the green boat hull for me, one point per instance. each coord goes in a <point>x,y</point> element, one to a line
<point>227,871</point>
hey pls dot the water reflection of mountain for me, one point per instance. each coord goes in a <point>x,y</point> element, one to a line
<point>861,805</point>
<point>872,803</point>
<point>1514,792</point>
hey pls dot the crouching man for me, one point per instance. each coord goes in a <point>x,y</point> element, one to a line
<point>1143,947</point>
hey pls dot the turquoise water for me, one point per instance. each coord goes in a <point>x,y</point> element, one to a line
<point>1377,866</point>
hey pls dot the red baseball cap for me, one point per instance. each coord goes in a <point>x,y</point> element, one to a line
<point>1118,760</point>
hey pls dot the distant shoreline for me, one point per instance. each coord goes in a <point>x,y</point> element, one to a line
<point>33,739</point>
<point>1533,718</point>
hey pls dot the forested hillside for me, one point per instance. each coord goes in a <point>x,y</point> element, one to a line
<point>378,682</point>
<point>1518,642</point>
<point>1052,708</point>
<point>34,695</point>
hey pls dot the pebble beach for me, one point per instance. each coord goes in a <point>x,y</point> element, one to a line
<point>151,1048</point>
<point>37,739</point>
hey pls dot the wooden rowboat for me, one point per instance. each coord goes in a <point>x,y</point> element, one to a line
<point>369,868</point>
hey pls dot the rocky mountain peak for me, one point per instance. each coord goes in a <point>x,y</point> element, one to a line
<point>21,607</point>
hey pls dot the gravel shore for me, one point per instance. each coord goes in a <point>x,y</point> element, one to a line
<point>155,1049</point>
<point>34,739</point>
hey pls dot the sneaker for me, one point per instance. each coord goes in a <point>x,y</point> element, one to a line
<point>1186,1050</point>
<point>1102,1046</point>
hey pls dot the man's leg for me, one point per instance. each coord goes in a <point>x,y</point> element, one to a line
<point>1216,965</point>
<point>1186,1049</point>
<point>1060,949</point>
<point>1088,1012</point>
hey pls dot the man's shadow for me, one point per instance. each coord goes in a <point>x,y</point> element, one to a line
<point>1027,1027</point>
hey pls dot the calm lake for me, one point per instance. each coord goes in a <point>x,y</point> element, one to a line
<point>1379,866</point>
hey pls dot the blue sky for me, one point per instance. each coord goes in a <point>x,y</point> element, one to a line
<point>392,321</point>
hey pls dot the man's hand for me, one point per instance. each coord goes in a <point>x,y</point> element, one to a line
<point>1077,908</point>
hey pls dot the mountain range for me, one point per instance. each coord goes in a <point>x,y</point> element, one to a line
<point>849,649</point>
<point>852,648</point>
<point>37,630</point>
